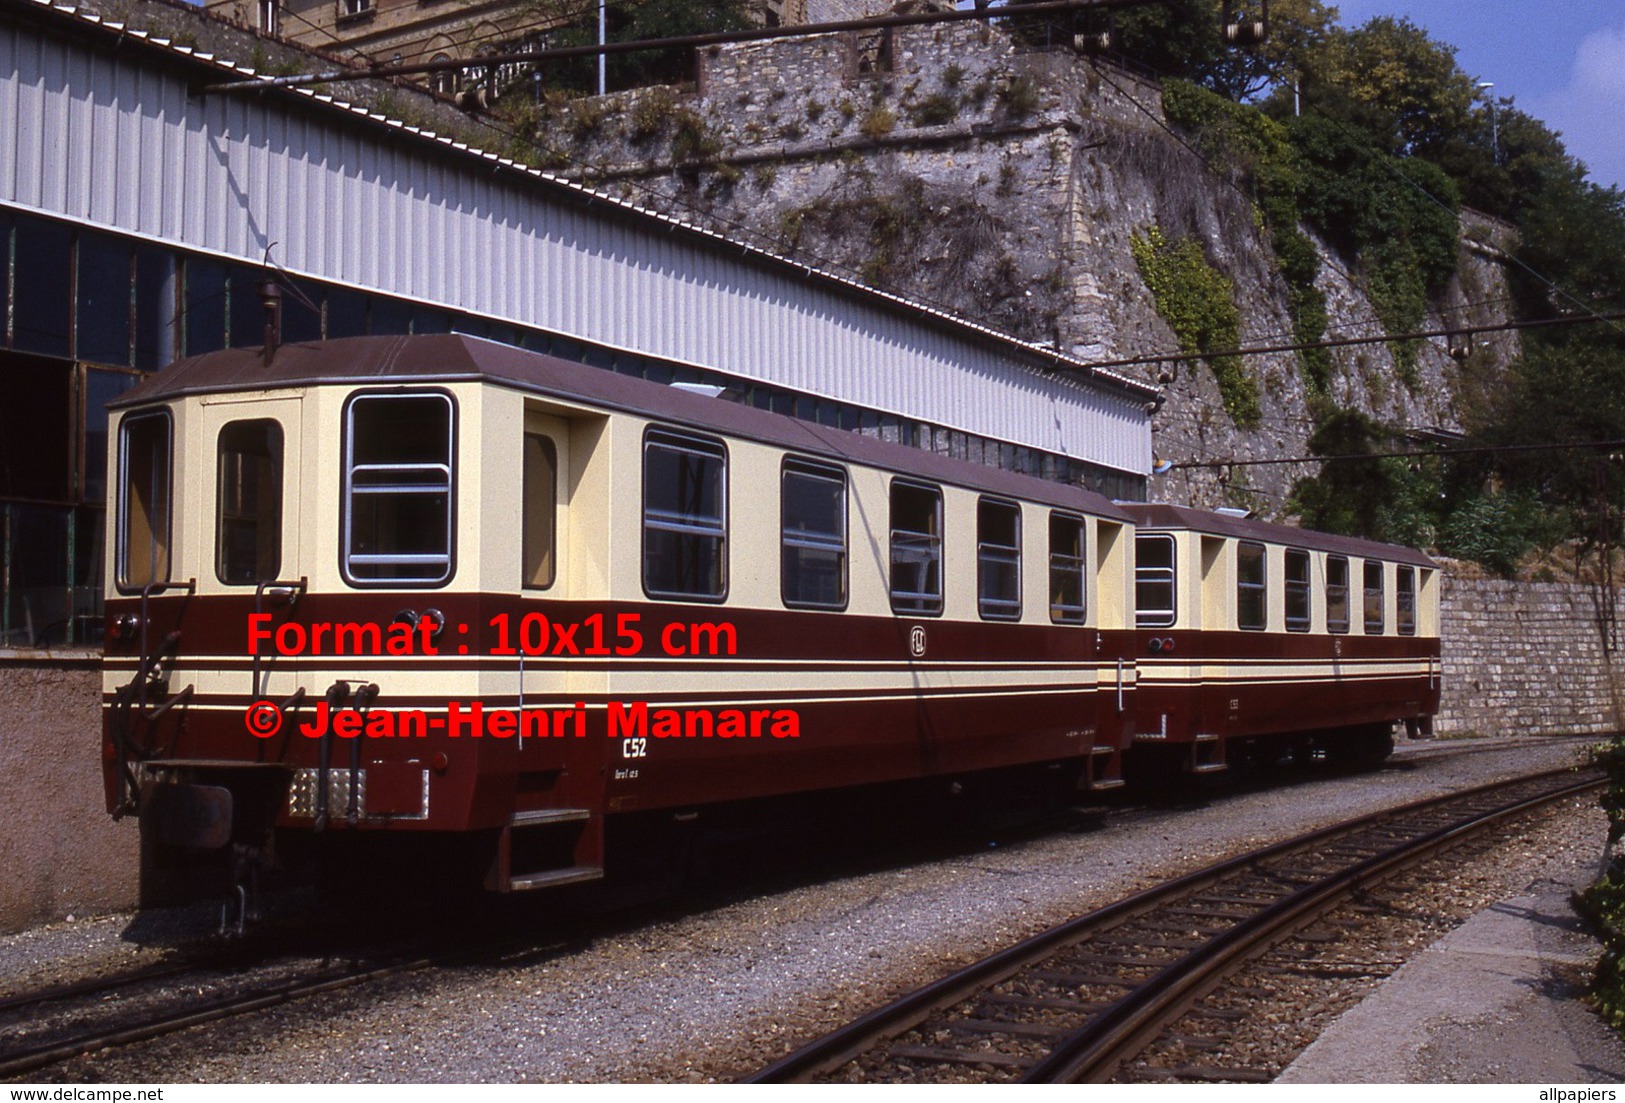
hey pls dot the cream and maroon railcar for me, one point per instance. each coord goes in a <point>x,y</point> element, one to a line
<point>1254,639</point>
<point>679,601</point>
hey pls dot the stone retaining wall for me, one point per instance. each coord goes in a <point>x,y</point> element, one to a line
<point>1525,657</point>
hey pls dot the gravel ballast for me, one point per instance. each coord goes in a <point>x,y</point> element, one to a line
<point>711,994</point>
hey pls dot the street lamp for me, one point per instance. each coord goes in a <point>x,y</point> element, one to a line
<point>1495,128</point>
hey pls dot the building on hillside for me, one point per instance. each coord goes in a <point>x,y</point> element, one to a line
<point>411,31</point>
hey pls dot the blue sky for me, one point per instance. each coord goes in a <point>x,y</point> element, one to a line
<point>1563,61</point>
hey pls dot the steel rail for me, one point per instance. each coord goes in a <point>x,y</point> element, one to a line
<point>1094,1053</point>
<point>835,1049</point>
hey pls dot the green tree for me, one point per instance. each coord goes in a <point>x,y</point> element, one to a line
<point>1390,79</point>
<point>1362,492</point>
<point>578,26</point>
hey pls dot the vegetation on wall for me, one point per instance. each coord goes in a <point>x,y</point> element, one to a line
<point>1259,151</point>
<point>1198,303</point>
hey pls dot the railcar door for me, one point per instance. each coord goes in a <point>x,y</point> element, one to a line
<point>241,495</point>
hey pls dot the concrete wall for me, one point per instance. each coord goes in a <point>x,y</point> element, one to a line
<point>1526,657</point>
<point>60,852</point>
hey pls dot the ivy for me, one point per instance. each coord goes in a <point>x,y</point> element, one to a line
<point>1257,148</point>
<point>1198,303</point>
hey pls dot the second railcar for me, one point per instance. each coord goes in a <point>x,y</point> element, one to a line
<point>1255,639</point>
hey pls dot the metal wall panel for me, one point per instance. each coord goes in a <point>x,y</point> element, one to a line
<point>114,140</point>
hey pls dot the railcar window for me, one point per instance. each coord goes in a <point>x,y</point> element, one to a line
<point>398,451</point>
<point>1153,580</point>
<point>248,528</point>
<point>1337,593</point>
<point>998,559</point>
<point>916,548</point>
<point>685,510</point>
<point>1405,594</point>
<point>812,525</point>
<point>145,482</point>
<point>1067,559</point>
<point>541,507</point>
<point>1373,599</point>
<point>1252,605</point>
<point>1297,590</point>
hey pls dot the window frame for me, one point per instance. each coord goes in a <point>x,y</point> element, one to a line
<point>1141,617</point>
<point>804,467</point>
<point>121,563</point>
<point>1261,587</point>
<point>279,454</point>
<point>679,440</point>
<point>1405,611</point>
<point>1366,590</point>
<point>1340,626</point>
<point>347,472</point>
<point>990,556</point>
<point>1065,614</point>
<point>1302,589</point>
<point>931,604</point>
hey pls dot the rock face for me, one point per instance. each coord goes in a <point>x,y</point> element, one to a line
<point>1005,183</point>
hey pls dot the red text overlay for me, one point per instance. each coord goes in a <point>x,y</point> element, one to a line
<point>532,634</point>
<point>475,720</point>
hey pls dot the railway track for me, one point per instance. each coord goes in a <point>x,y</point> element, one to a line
<point>53,1025</point>
<point>1077,1002</point>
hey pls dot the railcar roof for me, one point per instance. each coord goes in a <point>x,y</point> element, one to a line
<point>1245,528</point>
<point>457,358</point>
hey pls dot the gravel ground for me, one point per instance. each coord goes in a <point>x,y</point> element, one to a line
<point>1296,991</point>
<point>713,993</point>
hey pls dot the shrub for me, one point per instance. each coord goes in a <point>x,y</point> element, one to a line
<point>1198,302</point>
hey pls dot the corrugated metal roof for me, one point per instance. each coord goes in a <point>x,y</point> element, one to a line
<point>391,208</point>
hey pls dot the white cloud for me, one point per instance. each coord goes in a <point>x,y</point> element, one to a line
<point>1590,112</point>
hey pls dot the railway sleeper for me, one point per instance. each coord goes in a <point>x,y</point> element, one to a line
<point>1064,979</point>
<point>990,1001</point>
<point>940,1055</point>
<point>1001,1026</point>
<point>1090,958</point>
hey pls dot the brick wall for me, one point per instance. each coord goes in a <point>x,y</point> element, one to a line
<point>1525,657</point>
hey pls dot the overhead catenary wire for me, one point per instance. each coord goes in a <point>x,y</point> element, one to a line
<point>1412,453</point>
